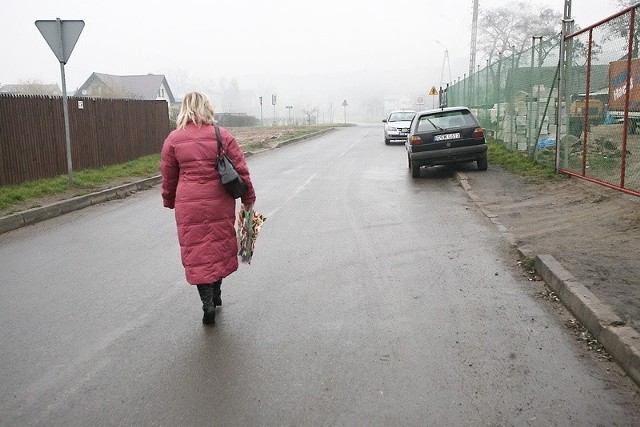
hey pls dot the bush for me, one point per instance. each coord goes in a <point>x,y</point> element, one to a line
<point>236,120</point>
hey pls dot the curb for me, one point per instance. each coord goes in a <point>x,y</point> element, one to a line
<point>32,216</point>
<point>622,342</point>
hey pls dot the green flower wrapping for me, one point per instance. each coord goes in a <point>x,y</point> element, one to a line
<point>249,224</point>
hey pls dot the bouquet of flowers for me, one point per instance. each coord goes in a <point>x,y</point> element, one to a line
<point>249,224</point>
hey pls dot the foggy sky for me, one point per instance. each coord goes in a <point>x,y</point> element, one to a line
<point>306,52</point>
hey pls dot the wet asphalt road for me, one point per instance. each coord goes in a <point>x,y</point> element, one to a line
<point>373,299</point>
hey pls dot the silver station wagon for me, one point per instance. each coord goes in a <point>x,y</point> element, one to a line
<point>396,126</point>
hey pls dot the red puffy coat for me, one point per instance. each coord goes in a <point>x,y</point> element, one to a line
<point>205,213</point>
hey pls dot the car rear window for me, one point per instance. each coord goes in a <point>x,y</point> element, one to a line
<point>401,117</point>
<point>445,120</point>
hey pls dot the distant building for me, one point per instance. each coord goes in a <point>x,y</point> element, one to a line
<point>31,89</point>
<point>147,87</point>
<point>403,102</point>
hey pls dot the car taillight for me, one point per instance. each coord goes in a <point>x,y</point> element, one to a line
<point>478,133</point>
<point>416,140</point>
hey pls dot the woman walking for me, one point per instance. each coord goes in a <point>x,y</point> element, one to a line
<point>205,214</point>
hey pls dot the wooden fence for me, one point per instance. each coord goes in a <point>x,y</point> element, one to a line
<point>103,132</point>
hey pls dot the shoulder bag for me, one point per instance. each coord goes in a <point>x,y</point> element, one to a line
<point>229,178</point>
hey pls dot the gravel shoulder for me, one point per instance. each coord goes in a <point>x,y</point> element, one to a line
<point>593,231</point>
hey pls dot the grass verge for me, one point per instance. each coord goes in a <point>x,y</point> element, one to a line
<point>85,181</point>
<point>517,162</point>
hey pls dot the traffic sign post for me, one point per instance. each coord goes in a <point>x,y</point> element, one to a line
<point>273,102</point>
<point>289,107</point>
<point>344,104</point>
<point>433,93</point>
<point>61,36</point>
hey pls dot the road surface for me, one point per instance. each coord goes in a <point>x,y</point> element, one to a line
<point>372,299</point>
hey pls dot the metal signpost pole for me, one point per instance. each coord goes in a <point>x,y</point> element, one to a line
<point>273,101</point>
<point>65,112</point>
<point>289,107</point>
<point>344,105</point>
<point>61,36</point>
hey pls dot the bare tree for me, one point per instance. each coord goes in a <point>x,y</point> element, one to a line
<point>36,87</point>
<point>310,112</point>
<point>505,30</point>
<point>626,3</point>
<point>180,81</point>
<point>619,29</point>
<point>230,95</point>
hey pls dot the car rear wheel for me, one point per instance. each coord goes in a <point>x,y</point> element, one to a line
<point>415,169</point>
<point>483,163</point>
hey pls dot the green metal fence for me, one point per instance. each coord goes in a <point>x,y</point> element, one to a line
<point>591,127</point>
<point>514,98</point>
<point>600,136</point>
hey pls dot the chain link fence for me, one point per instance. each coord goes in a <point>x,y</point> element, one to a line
<point>514,98</point>
<point>599,139</point>
<point>580,118</point>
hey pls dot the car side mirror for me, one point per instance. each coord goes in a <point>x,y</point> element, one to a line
<point>384,120</point>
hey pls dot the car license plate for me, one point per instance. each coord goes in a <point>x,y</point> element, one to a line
<point>446,137</point>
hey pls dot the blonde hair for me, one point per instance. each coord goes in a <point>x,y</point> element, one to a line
<point>195,108</point>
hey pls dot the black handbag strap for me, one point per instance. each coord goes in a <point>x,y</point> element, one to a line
<point>220,153</point>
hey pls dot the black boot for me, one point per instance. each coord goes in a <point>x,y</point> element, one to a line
<point>209,308</point>
<point>217,299</point>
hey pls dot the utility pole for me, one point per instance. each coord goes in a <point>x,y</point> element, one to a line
<point>474,37</point>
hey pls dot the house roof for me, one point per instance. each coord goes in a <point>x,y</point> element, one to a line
<point>144,86</point>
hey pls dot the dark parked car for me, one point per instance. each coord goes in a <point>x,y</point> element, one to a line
<point>396,126</point>
<point>445,136</point>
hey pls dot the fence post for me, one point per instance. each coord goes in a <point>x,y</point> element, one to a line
<point>465,96</point>
<point>530,109</point>
<point>585,120</point>
<point>511,96</point>
<point>478,88</point>
<point>486,89</point>
<point>623,159</point>
<point>562,106</point>
<point>497,92</point>
<point>537,115</point>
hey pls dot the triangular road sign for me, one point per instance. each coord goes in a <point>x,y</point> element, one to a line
<point>433,91</point>
<point>61,36</point>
